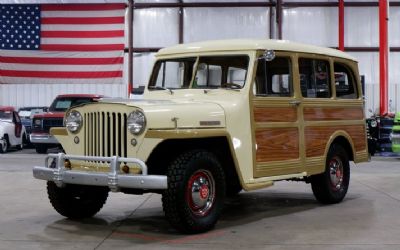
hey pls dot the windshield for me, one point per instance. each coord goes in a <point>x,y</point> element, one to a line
<point>5,115</point>
<point>27,113</point>
<point>211,72</point>
<point>62,104</point>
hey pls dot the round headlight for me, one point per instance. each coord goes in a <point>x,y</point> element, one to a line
<point>37,122</point>
<point>136,122</point>
<point>73,121</point>
<point>374,123</point>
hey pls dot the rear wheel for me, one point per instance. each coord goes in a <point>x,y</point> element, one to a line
<point>23,142</point>
<point>332,185</point>
<point>41,149</point>
<point>196,192</point>
<point>77,201</point>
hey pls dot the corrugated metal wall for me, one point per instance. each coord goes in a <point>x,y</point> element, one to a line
<point>19,95</point>
<point>158,27</point>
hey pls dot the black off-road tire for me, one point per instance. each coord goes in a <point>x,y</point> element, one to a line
<point>179,200</point>
<point>77,201</point>
<point>233,190</point>
<point>41,149</point>
<point>331,186</point>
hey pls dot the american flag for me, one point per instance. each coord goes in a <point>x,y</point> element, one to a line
<point>55,43</point>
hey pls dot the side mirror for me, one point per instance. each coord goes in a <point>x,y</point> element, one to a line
<point>268,55</point>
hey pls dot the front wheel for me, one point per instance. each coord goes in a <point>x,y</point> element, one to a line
<point>332,185</point>
<point>4,146</point>
<point>77,201</point>
<point>196,192</point>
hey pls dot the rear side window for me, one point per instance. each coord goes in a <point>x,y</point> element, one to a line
<point>274,78</point>
<point>314,78</point>
<point>345,83</point>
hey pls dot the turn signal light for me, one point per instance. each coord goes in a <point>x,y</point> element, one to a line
<point>67,164</point>
<point>125,169</point>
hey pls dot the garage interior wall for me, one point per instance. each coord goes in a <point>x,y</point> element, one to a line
<point>161,23</point>
<point>156,25</point>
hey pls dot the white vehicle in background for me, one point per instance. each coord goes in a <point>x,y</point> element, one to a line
<point>12,132</point>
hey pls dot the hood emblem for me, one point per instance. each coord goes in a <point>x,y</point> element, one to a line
<point>210,123</point>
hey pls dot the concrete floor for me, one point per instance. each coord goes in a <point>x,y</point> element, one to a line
<point>285,216</point>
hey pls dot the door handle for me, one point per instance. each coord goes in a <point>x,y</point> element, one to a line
<point>295,103</point>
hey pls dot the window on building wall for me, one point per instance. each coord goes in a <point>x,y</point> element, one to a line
<point>274,78</point>
<point>314,78</point>
<point>344,82</point>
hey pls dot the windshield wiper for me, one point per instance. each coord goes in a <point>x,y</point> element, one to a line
<point>160,88</point>
<point>230,85</point>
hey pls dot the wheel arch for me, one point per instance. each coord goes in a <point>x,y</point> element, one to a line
<point>162,155</point>
<point>342,138</point>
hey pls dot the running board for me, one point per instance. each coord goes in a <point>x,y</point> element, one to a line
<point>264,182</point>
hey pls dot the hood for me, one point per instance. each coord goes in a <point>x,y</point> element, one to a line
<point>3,126</point>
<point>50,115</point>
<point>182,114</point>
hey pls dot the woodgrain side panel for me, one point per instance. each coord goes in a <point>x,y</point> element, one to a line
<point>275,114</point>
<point>275,144</point>
<point>330,114</point>
<point>317,137</point>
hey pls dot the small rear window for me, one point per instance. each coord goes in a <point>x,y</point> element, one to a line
<point>345,82</point>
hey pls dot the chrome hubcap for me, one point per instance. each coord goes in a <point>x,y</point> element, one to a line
<point>336,172</point>
<point>200,192</point>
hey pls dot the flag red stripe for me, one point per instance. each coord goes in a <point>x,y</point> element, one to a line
<point>82,7</point>
<point>60,74</point>
<point>82,20</point>
<point>83,34</point>
<point>82,47</point>
<point>62,61</point>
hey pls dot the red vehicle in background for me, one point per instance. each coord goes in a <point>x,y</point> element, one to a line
<point>40,137</point>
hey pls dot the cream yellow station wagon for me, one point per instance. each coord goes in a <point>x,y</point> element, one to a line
<point>217,117</point>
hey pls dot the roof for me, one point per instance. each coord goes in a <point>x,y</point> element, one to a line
<point>80,95</point>
<point>251,44</point>
<point>7,108</point>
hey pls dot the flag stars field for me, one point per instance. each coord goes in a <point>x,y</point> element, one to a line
<point>62,43</point>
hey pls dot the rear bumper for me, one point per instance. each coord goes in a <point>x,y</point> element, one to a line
<point>113,179</point>
<point>44,138</point>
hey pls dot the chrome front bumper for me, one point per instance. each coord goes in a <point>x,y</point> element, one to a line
<point>43,138</point>
<point>113,179</point>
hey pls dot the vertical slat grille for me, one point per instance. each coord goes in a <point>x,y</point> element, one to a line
<point>105,134</point>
